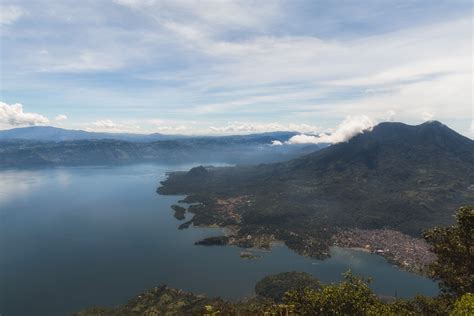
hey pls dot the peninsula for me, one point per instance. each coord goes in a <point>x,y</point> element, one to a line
<point>389,184</point>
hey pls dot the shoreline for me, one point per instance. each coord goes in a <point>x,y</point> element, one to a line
<point>406,252</point>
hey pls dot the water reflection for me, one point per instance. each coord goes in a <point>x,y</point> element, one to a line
<point>17,183</point>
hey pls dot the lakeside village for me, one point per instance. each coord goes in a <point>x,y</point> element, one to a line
<point>410,253</point>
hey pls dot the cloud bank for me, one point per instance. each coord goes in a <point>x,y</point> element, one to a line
<point>427,116</point>
<point>243,127</point>
<point>14,116</point>
<point>109,126</point>
<point>350,127</point>
<point>60,117</point>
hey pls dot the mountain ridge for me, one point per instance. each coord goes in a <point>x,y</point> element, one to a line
<point>397,134</point>
<point>395,176</point>
<point>239,149</point>
<point>51,133</point>
<point>57,134</point>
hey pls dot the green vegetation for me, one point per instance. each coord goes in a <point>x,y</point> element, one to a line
<point>294,293</point>
<point>161,301</point>
<point>454,247</point>
<point>274,287</point>
<point>398,177</point>
<point>352,296</point>
<point>179,212</point>
<point>464,305</point>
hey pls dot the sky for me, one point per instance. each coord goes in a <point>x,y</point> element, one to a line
<point>235,67</point>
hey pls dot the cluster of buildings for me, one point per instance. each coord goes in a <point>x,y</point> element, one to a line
<point>413,254</point>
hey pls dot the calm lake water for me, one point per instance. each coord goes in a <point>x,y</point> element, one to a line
<point>76,237</point>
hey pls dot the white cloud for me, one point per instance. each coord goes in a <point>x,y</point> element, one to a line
<point>266,59</point>
<point>83,61</point>
<point>60,117</point>
<point>110,126</point>
<point>135,3</point>
<point>232,60</point>
<point>245,128</point>
<point>448,98</point>
<point>304,139</point>
<point>276,143</point>
<point>13,116</point>
<point>189,127</point>
<point>180,129</point>
<point>208,14</point>
<point>105,124</point>
<point>427,116</point>
<point>472,128</point>
<point>172,126</point>
<point>9,14</point>
<point>345,131</point>
<point>390,115</point>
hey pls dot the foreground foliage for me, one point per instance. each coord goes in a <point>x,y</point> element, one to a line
<point>352,296</point>
<point>454,247</point>
<point>464,305</point>
<point>274,287</point>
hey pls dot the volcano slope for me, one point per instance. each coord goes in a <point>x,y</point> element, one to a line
<point>395,177</point>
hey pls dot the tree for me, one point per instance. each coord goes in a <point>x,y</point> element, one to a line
<point>350,297</point>
<point>463,306</point>
<point>274,287</point>
<point>454,248</point>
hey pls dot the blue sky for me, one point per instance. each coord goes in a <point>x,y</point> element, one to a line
<point>227,67</point>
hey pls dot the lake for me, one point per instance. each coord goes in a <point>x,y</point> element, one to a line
<point>71,238</point>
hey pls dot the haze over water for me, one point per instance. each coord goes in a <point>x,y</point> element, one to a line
<point>76,237</point>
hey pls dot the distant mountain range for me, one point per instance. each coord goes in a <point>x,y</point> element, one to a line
<point>55,134</point>
<point>40,146</point>
<point>396,176</point>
